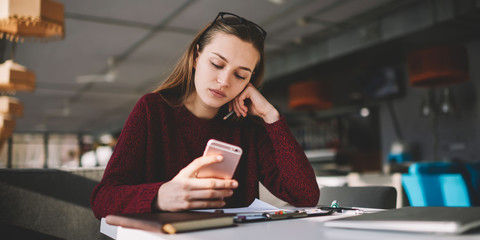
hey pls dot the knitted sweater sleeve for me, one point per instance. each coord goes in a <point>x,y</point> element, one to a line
<point>123,188</point>
<point>286,171</point>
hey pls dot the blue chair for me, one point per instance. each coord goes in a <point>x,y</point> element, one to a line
<point>442,184</point>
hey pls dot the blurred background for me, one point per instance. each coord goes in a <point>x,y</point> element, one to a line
<point>368,87</point>
<point>355,52</point>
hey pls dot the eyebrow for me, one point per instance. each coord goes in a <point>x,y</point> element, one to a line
<point>224,59</point>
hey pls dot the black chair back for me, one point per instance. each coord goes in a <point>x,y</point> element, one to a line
<point>380,197</point>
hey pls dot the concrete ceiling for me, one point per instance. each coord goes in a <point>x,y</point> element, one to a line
<point>146,37</point>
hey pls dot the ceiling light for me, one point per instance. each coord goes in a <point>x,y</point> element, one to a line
<point>31,18</point>
<point>279,2</point>
<point>364,112</point>
<point>15,77</point>
<point>438,66</point>
<point>309,95</point>
<point>19,19</point>
<point>10,106</point>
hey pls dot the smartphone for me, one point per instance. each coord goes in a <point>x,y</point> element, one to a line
<point>225,169</point>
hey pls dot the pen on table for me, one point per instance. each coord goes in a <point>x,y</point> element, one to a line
<point>317,212</point>
<point>228,115</point>
<point>286,215</point>
<point>340,209</point>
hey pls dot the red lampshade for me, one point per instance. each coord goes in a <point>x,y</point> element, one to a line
<point>438,66</point>
<point>308,95</point>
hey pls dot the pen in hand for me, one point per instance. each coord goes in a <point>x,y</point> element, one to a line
<point>228,115</point>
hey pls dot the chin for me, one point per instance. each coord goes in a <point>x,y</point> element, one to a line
<point>215,104</point>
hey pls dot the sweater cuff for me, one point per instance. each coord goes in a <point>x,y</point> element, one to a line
<point>150,193</point>
<point>280,124</point>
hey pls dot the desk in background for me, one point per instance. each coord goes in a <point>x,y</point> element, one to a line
<point>303,228</point>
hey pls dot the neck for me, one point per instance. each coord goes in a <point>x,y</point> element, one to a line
<point>199,109</point>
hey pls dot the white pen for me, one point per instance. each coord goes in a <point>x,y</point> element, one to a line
<point>228,115</point>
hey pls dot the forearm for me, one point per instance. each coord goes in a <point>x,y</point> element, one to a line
<point>295,174</point>
<point>109,199</point>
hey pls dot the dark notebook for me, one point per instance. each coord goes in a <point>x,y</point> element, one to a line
<point>453,220</point>
<point>171,222</point>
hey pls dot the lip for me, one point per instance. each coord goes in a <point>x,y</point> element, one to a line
<point>217,93</point>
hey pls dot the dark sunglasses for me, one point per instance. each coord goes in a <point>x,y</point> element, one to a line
<point>232,19</point>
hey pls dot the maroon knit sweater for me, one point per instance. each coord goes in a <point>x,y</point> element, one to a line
<point>158,141</point>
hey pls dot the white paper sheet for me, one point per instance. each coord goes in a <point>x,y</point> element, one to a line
<point>256,206</point>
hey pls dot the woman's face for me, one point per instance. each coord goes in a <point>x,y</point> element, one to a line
<point>223,69</point>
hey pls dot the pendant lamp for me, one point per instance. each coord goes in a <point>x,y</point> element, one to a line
<point>308,95</point>
<point>438,66</point>
<point>40,19</point>
<point>20,19</point>
<point>15,77</point>
<point>433,67</point>
<point>10,106</point>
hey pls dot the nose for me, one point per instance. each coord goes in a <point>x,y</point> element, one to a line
<point>223,79</point>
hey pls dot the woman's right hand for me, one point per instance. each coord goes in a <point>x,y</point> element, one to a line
<point>186,191</point>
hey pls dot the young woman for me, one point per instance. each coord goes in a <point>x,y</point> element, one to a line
<point>159,151</point>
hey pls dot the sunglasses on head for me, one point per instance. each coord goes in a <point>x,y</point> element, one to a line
<point>233,19</point>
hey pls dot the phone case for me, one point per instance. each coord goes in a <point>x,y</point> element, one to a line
<point>225,169</point>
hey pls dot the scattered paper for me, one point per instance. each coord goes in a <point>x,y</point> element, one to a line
<point>256,206</point>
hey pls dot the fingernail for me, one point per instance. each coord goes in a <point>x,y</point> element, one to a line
<point>235,184</point>
<point>219,158</point>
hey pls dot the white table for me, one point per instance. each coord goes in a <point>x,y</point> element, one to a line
<point>291,229</point>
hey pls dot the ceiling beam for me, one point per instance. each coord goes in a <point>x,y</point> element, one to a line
<point>124,55</point>
<point>415,17</point>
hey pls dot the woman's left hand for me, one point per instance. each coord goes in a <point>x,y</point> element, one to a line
<point>259,105</point>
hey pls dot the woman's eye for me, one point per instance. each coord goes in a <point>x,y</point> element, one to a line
<point>216,66</point>
<point>240,77</point>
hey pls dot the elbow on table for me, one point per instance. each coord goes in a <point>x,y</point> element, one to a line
<point>308,199</point>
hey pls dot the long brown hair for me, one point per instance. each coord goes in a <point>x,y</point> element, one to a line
<point>180,84</point>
